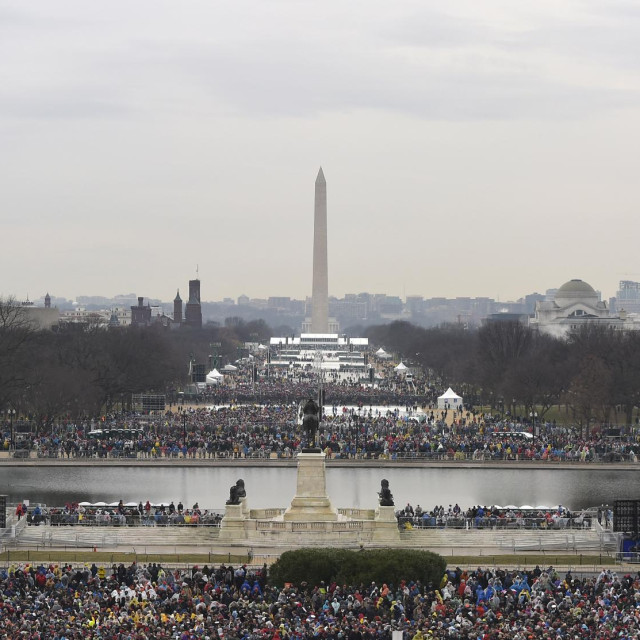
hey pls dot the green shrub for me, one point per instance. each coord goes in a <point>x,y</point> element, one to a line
<point>355,567</point>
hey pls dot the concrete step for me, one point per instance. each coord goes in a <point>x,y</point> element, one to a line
<point>504,540</point>
<point>83,536</point>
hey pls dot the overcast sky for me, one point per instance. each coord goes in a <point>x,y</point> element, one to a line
<point>470,149</point>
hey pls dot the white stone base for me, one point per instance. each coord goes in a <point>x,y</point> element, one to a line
<point>386,514</point>
<point>311,502</point>
<point>386,525</point>
<point>311,519</point>
<point>232,526</point>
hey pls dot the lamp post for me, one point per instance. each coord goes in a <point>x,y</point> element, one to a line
<point>12,413</point>
<point>317,365</point>
<point>184,428</point>
<point>357,423</point>
<point>533,415</point>
<point>350,432</point>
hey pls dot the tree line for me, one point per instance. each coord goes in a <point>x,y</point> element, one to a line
<point>85,369</point>
<point>594,373</point>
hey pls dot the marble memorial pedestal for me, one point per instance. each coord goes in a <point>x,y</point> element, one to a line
<point>232,526</point>
<point>386,527</point>
<point>311,502</point>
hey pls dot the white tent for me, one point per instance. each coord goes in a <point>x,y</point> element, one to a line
<point>229,368</point>
<point>449,400</point>
<point>381,354</point>
<point>401,368</point>
<point>214,377</point>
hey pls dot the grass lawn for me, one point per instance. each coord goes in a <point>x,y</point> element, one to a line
<point>105,557</point>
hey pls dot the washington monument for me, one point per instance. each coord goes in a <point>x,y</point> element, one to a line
<point>320,288</point>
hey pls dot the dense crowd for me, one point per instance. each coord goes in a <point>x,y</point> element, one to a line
<point>143,602</point>
<point>371,431</point>
<point>120,514</point>
<point>408,517</point>
<point>498,517</point>
<point>394,419</point>
<point>340,389</point>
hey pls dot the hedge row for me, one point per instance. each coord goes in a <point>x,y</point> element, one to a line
<point>356,567</point>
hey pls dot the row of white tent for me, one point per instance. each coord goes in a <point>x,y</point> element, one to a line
<point>215,377</point>
<point>448,400</point>
<point>524,507</point>
<point>115,504</point>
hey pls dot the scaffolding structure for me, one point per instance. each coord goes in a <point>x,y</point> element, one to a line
<point>148,402</point>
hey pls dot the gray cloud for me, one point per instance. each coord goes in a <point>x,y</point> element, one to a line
<point>418,61</point>
<point>202,124</point>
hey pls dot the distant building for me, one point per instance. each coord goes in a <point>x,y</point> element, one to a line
<point>278,302</point>
<point>40,317</point>
<point>122,315</point>
<point>80,315</point>
<point>628,296</point>
<point>575,304</point>
<point>193,310</point>
<point>530,302</point>
<point>177,309</point>
<point>328,351</point>
<point>140,314</point>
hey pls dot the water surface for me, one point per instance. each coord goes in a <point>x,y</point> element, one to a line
<point>347,487</point>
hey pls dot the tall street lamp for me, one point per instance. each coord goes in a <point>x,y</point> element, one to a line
<point>184,428</point>
<point>355,420</point>
<point>12,413</point>
<point>533,415</point>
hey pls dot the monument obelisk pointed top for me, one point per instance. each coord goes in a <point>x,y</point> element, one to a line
<point>320,288</point>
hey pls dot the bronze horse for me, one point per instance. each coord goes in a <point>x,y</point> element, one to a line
<point>311,421</point>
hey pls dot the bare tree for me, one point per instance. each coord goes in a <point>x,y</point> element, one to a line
<point>16,336</point>
<point>590,391</point>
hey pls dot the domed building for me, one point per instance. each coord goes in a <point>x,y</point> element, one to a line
<point>578,291</point>
<point>575,303</point>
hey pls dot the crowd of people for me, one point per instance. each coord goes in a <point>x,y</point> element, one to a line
<point>140,602</point>
<point>144,514</point>
<point>341,389</point>
<point>498,517</point>
<point>475,517</point>
<point>347,432</point>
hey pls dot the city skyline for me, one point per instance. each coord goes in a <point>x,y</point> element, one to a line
<point>242,298</point>
<point>472,150</point>
<point>280,294</point>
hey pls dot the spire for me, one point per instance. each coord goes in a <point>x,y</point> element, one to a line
<point>320,284</point>
<point>177,298</point>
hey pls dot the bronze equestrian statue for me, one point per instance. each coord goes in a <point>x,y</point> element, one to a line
<point>311,421</point>
<point>386,497</point>
<point>236,492</point>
